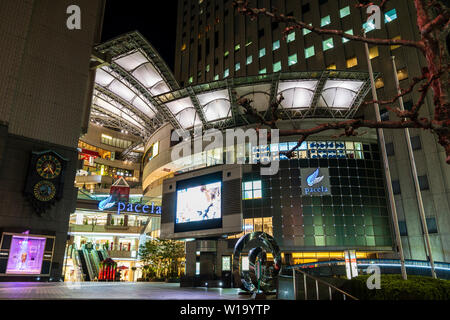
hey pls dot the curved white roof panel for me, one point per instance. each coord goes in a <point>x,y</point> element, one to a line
<point>138,89</point>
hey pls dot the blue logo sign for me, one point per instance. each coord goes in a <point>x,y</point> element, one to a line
<point>128,207</point>
<point>313,181</point>
<point>314,178</point>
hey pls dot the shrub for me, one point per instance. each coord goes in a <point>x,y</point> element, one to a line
<point>393,287</point>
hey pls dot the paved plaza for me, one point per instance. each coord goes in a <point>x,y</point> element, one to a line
<point>111,291</point>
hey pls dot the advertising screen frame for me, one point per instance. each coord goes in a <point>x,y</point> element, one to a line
<point>204,224</point>
<point>6,243</point>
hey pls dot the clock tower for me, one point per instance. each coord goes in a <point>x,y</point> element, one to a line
<point>45,180</point>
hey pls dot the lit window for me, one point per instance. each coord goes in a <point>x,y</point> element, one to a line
<point>309,52</point>
<point>368,26</point>
<point>331,67</point>
<point>344,12</point>
<point>216,77</point>
<point>373,52</point>
<point>262,52</point>
<point>306,31</point>
<point>249,60</point>
<point>237,66</point>
<point>325,21</point>
<point>393,47</point>
<point>248,43</point>
<point>352,62</point>
<point>390,16</point>
<point>290,37</point>
<point>344,40</point>
<point>191,79</point>
<point>252,190</point>
<point>237,47</point>
<point>183,47</point>
<point>379,83</point>
<point>328,44</point>
<point>277,66</point>
<point>276,45</point>
<point>207,68</point>
<point>263,71</point>
<point>402,74</point>
<point>226,53</point>
<point>226,73</point>
<point>292,59</point>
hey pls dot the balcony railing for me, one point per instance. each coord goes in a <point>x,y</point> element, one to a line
<point>106,229</point>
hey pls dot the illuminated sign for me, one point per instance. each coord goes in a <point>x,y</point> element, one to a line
<point>315,181</point>
<point>125,207</point>
<point>26,255</point>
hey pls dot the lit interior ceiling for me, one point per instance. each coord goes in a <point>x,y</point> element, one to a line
<point>137,90</point>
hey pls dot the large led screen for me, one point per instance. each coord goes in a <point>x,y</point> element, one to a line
<point>25,255</point>
<point>199,203</point>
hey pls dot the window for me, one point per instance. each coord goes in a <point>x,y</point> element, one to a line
<point>344,40</point>
<point>325,21</point>
<point>423,183</point>
<point>390,16</point>
<point>368,26</point>
<point>373,52</point>
<point>292,59</point>
<point>237,47</point>
<point>249,60</point>
<point>306,31</point>
<point>332,67</point>
<point>415,142</point>
<point>191,79</point>
<point>431,225</point>
<point>393,47</point>
<point>226,73</point>
<point>290,37</point>
<point>251,190</point>
<point>262,52</point>
<point>379,83</point>
<point>237,66</point>
<point>390,149</point>
<point>352,62</point>
<point>276,45</point>
<point>384,114</point>
<point>277,66</point>
<point>183,47</point>
<point>344,12</point>
<point>402,74</point>
<point>207,68</point>
<point>226,54</point>
<point>263,71</point>
<point>216,77</point>
<point>328,44</point>
<point>403,229</point>
<point>396,187</point>
<point>309,52</point>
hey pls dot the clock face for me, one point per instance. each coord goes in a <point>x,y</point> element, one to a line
<point>44,191</point>
<point>48,167</point>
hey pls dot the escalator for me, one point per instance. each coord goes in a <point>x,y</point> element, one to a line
<point>85,265</point>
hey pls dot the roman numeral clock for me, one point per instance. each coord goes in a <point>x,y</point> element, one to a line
<point>45,180</point>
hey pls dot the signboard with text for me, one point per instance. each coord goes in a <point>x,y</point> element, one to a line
<point>315,181</point>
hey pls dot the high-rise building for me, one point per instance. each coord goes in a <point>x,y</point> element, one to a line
<point>45,97</point>
<point>214,42</point>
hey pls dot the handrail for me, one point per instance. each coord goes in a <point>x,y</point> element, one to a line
<point>317,280</point>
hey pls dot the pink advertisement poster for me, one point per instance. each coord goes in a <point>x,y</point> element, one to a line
<point>25,255</point>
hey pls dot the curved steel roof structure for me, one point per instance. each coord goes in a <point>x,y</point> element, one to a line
<point>138,93</point>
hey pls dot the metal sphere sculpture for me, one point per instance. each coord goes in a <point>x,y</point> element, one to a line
<point>258,244</point>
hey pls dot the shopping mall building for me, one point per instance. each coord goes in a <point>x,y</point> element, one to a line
<point>328,197</point>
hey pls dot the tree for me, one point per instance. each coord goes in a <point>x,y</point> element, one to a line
<point>162,258</point>
<point>433,21</point>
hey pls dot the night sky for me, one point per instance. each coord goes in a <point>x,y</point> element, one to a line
<point>155,20</point>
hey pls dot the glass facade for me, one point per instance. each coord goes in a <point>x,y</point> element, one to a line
<point>355,215</point>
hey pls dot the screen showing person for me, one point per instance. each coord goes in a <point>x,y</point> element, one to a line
<point>199,203</point>
<point>25,256</point>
